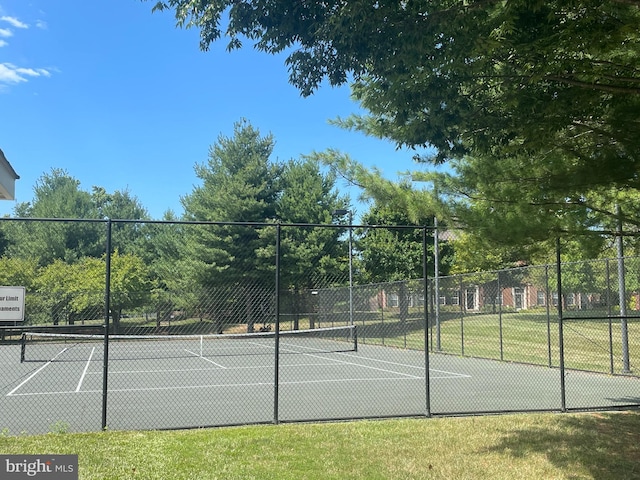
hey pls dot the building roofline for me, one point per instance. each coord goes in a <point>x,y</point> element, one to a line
<point>6,163</point>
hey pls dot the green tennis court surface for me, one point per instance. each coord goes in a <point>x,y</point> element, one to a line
<point>236,384</point>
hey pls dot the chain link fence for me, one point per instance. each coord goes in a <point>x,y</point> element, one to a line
<point>235,323</point>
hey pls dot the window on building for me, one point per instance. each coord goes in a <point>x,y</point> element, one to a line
<point>518,297</point>
<point>392,300</point>
<point>470,295</point>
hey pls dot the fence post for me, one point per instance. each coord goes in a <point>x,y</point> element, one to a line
<point>276,373</point>
<point>430,325</point>
<point>107,311</point>
<point>383,303</point>
<point>499,294</point>
<point>548,300</point>
<point>436,279</point>
<point>626,368</point>
<point>426,322</point>
<point>607,267</point>
<point>463,301</point>
<point>563,391</point>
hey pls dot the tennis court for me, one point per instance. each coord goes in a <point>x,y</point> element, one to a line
<point>165,383</point>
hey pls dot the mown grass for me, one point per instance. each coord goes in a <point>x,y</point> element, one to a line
<point>526,337</point>
<point>534,446</point>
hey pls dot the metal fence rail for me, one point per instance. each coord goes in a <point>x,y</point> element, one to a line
<point>184,325</point>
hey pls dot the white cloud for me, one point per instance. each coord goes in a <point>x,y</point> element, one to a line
<point>11,74</point>
<point>14,22</point>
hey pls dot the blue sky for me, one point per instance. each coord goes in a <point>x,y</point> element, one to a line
<point>120,98</point>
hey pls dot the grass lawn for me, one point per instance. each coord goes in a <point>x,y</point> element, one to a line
<point>533,446</point>
<point>526,337</point>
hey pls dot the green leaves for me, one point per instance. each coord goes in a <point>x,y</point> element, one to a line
<point>240,183</point>
<point>80,286</point>
<point>549,90</point>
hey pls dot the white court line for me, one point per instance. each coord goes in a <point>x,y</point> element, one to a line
<point>344,362</point>
<point>360,365</point>
<point>310,354</point>
<point>419,367</point>
<point>248,367</point>
<point>351,355</point>
<point>205,359</point>
<point>238,385</point>
<point>162,370</point>
<point>453,374</point>
<point>222,385</point>
<point>86,367</point>
<point>377,360</point>
<point>12,392</point>
<point>333,363</point>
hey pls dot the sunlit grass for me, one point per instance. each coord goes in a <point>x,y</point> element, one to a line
<point>569,446</point>
<point>516,337</point>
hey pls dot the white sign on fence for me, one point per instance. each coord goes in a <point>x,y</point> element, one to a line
<point>12,304</point>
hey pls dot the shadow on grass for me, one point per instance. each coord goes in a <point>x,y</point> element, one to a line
<point>607,445</point>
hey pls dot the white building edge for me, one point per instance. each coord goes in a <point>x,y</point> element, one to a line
<point>8,177</point>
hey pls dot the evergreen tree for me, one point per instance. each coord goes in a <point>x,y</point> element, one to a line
<point>239,185</point>
<point>233,261</point>
<point>57,195</point>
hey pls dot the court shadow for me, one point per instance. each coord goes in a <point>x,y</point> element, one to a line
<point>605,444</point>
<point>625,400</point>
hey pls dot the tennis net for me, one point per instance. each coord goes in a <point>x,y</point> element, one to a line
<point>59,347</point>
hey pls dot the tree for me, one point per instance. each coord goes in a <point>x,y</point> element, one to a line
<point>53,287</point>
<point>396,254</point>
<point>246,192</point>
<point>311,257</point>
<point>118,205</point>
<point>308,253</point>
<point>521,207</point>
<point>544,93</point>
<point>74,291</point>
<point>18,271</point>
<point>121,205</point>
<point>477,76</point>
<point>164,249</point>
<point>239,186</point>
<point>57,195</point>
<point>131,284</point>
<point>502,216</point>
<point>389,254</point>
<point>399,196</point>
<point>473,252</point>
